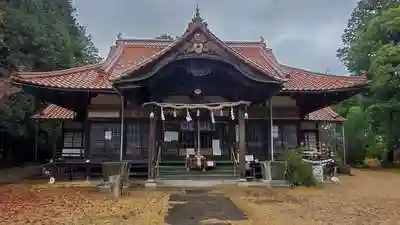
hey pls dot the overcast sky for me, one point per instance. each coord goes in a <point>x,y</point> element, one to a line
<point>302,33</point>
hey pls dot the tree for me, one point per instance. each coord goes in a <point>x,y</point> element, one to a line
<point>365,11</point>
<point>39,35</point>
<point>375,50</point>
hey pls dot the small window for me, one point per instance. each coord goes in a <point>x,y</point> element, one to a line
<point>73,140</point>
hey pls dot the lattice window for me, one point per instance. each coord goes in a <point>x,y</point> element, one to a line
<point>137,137</point>
<point>289,136</point>
<point>73,140</point>
<point>255,133</point>
<point>310,141</point>
<point>98,140</point>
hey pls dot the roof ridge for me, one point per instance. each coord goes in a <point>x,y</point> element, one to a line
<point>333,113</point>
<point>144,62</point>
<point>323,74</point>
<point>273,65</point>
<point>110,63</point>
<point>57,72</point>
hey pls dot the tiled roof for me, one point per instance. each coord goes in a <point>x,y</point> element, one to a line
<point>303,80</point>
<point>130,53</point>
<point>85,77</point>
<point>325,114</point>
<point>56,112</point>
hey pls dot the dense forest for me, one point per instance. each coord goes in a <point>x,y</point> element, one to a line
<point>44,35</point>
<point>38,35</point>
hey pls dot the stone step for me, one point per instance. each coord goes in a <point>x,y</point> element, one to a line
<point>198,177</point>
<point>195,173</point>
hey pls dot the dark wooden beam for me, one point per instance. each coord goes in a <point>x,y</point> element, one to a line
<point>242,143</point>
<point>86,130</point>
<point>152,148</point>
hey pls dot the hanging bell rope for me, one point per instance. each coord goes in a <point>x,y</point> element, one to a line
<point>162,114</point>
<point>188,117</point>
<point>232,114</point>
<point>212,117</point>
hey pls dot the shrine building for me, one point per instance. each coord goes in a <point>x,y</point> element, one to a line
<point>154,101</point>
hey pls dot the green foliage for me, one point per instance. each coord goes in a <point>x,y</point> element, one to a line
<point>371,125</point>
<point>43,35</point>
<point>365,11</point>
<point>297,171</point>
<point>38,35</point>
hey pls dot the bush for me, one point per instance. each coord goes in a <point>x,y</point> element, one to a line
<point>372,162</point>
<point>297,171</point>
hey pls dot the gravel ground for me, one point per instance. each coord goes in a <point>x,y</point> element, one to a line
<point>78,204</point>
<point>368,197</point>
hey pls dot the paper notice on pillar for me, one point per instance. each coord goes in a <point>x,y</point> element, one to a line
<point>275,131</point>
<point>249,158</point>
<point>216,149</point>
<point>190,151</point>
<point>108,135</point>
<point>170,136</point>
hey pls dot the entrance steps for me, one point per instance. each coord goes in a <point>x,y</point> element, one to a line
<point>176,170</point>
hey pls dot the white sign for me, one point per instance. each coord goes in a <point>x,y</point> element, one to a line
<point>108,135</point>
<point>171,136</point>
<point>215,147</point>
<point>248,158</point>
<point>275,131</point>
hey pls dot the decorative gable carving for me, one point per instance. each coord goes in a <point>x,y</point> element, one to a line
<point>199,44</point>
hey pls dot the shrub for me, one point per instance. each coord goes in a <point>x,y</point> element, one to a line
<point>372,162</point>
<point>297,171</point>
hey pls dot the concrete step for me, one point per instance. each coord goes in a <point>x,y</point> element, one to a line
<point>198,177</point>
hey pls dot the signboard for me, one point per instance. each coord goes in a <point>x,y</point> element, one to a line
<point>108,135</point>
<point>275,131</point>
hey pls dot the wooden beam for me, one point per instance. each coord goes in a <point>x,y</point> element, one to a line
<point>152,148</point>
<point>86,130</point>
<point>242,143</point>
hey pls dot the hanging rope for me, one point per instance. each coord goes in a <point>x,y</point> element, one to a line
<point>209,106</point>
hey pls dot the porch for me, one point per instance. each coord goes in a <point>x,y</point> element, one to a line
<point>81,155</point>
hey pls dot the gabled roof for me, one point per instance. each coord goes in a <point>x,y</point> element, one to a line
<point>126,56</point>
<point>325,114</point>
<point>56,112</point>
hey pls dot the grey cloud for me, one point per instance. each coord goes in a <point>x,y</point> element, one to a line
<point>302,33</point>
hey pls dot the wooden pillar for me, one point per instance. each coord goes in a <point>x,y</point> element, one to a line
<point>242,142</point>
<point>268,130</point>
<point>86,130</point>
<point>300,137</point>
<point>35,155</point>
<point>152,147</point>
<point>122,121</point>
<point>317,137</point>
